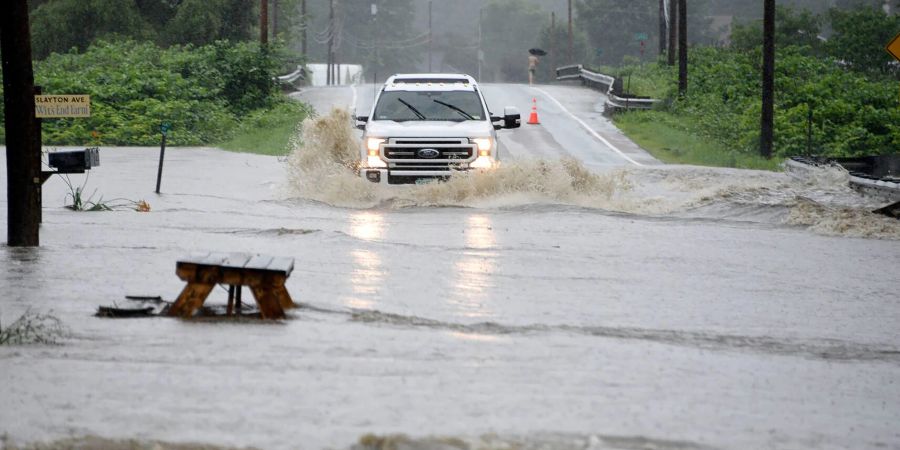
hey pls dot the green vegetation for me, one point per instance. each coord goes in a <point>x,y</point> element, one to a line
<point>825,104</point>
<point>675,141</point>
<point>58,26</point>
<point>206,93</point>
<point>267,132</point>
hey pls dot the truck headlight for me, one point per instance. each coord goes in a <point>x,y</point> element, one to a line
<point>373,145</point>
<point>484,146</point>
<point>375,161</point>
<point>482,162</point>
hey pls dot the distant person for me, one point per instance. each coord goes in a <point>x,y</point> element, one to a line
<point>532,66</point>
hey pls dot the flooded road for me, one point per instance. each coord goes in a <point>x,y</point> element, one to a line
<point>574,301</point>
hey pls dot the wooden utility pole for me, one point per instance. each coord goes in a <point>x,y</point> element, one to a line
<point>766,135</point>
<point>430,36</point>
<point>571,52</point>
<point>23,151</point>
<point>673,31</point>
<point>662,26</point>
<point>331,29</point>
<point>264,22</point>
<point>553,42</point>
<point>305,23</point>
<point>682,48</point>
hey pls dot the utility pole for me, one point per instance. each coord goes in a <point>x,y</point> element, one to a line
<point>430,36</point>
<point>682,48</point>
<point>553,41</point>
<point>673,31</point>
<point>329,80</point>
<point>662,26</point>
<point>480,55</point>
<point>305,22</point>
<point>571,43</point>
<point>264,22</point>
<point>766,135</point>
<point>23,150</point>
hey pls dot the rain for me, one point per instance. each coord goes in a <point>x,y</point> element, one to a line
<point>629,270</point>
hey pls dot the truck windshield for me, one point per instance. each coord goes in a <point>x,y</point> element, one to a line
<point>454,106</point>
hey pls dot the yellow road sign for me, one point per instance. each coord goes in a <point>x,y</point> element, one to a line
<point>893,47</point>
<point>48,106</point>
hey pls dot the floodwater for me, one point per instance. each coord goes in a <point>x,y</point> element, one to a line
<point>546,305</point>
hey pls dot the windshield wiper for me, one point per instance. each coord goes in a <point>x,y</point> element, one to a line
<point>412,108</point>
<point>455,108</point>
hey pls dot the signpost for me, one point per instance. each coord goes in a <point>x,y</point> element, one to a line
<point>56,106</point>
<point>164,129</point>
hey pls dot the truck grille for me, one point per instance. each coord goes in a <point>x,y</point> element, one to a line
<point>447,151</point>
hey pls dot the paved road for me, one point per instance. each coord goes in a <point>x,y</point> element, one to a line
<point>572,123</point>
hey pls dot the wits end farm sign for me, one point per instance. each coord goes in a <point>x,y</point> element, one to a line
<point>49,106</point>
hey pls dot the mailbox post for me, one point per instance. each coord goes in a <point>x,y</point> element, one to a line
<point>164,129</point>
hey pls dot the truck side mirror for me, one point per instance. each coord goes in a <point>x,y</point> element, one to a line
<point>494,120</point>
<point>361,122</point>
<point>511,117</point>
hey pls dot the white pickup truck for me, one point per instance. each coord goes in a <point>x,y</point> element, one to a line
<point>428,126</point>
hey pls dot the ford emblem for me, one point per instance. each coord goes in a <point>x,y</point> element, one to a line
<point>428,153</point>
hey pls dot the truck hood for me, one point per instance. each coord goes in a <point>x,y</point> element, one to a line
<point>415,128</point>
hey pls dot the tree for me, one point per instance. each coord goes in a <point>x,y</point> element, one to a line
<point>612,25</point>
<point>510,28</point>
<point>205,21</point>
<point>388,40</point>
<point>61,25</point>
<point>559,37</point>
<point>859,37</point>
<point>792,27</point>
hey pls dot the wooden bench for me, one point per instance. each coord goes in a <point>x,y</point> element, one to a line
<point>264,275</point>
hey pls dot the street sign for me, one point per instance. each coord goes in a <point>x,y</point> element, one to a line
<point>893,47</point>
<point>165,127</point>
<point>50,106</point>
<point>640,36</point>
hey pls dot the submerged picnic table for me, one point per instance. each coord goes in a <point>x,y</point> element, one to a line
<point>264,275</point>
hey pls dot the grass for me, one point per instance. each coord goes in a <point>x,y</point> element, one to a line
<point>670,139</point>
<point>32,328</point>
<point>648,79</point>
<point>268,132</point>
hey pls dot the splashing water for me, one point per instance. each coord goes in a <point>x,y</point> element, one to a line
<point>325,153</point>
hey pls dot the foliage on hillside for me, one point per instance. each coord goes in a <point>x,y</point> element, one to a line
<point>204,92</point>
<point>851,114</point>
<point>835,98</point>
<point>61,25</point>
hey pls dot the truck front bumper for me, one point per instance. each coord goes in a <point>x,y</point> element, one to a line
<point>386,176</point>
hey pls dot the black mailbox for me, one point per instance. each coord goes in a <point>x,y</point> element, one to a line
<point>76,161</point>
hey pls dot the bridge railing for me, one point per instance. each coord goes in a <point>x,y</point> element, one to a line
<point>605,84</point>
<point>290,80</point>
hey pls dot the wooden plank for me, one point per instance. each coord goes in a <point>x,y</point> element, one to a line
<point>214,259</point>
<point>194,257</point>
<point>259,262</point>
<point>284,298</point>
<point>236,260</point>
<point>269,307</point>
<point>282,264</point>
<point>190,300</point>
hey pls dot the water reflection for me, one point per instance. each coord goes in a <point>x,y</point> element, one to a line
<point>367,274</point>
<point>474,271</point>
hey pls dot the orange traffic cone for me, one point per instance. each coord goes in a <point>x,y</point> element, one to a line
<point>533,119</point>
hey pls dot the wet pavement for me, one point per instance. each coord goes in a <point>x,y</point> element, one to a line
<point>551,305</point>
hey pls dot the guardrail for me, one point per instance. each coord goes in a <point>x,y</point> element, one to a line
<point>292,78</point>
<point>607,85</point>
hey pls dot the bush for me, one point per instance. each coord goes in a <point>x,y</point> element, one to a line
<point>851,114</point>
<point>202,91</point>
